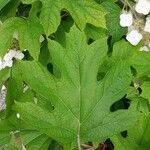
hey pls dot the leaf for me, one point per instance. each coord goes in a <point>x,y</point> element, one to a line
<point>60,34</point>
<point>138,136</point>
<point>145,90</point>
<point>36,7</point>
<point>82,12</point>
<point>100,1</point>
<point>112,21</point>
<point>9,10</point>
<point>44,56</point>
<point>140,62</point>
<point>40,143</point>
<point>126,52</point>
<point>4,75</point>
<point>94,32</point>
<point>3,3</point>
<point>81,103</point>
<point>5,129</point>
<point>14,133</point>
<point>28,31</point>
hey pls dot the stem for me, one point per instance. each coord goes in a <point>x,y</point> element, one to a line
<point>79,144</point>
<point>78,136</point>
<point>127,2</point>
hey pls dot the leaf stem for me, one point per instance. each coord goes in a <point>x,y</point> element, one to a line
<point>134,13</point>
<point>79,144</point>
<point>78,138</point>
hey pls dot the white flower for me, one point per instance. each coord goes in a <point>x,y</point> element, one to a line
<point>8,58</point>
<point>126,19</point>
<point>134,37</point>
<point>10,55</point>
<point>143,6</point>
<point>13,54</point>
<point>147,25</point>
<point>144,48</point>
<point>8,63</point>
<point>19,55</point>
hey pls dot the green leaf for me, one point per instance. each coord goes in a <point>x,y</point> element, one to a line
<point>81,103</point>
<point>141,63</point>
<point>60,34</point>
<point>40,143</point>
<point>123,50</point>
<point>14,133</point>
<point>5,129</point>
<point>28,31</point>
<point>94,32</point>
<point>4,75</point>
<point>3,3</point>
<point>146,90</point>
<point>137,137</point>
<point>82,12</point>
<point>9,10</point>
<point>112,21</point>
<point>36,7</point>
<point>44,56</point>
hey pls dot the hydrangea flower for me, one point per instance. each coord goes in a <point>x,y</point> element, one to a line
<point>136,18</point>
<point>19,55</point>
<point>126,19</point>
<point>134,37</point>
<point>8,58</point>
<point>8,63</point>
<point>143,6</point>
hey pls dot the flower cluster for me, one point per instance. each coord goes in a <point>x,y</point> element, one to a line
<point>7,61</point>
<point>137,19</point>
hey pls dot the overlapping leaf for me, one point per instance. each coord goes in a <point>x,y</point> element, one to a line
<point>14,133</point>
<point>112,21</point>
<point>141,63</point>
<point>137,137</point>
<point>82,12</point>
<point>9,10</point>
<point>81,103</point>
<point>3,3</point>
<point>28,31</point>
<point>4,75</point>
<point>145,90</point>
